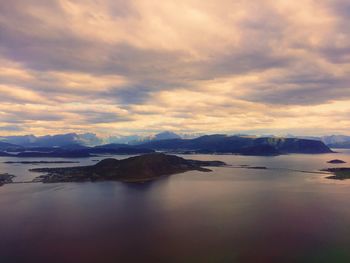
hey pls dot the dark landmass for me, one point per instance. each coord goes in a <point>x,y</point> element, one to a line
<point>114,146</point>
<point>6,179</point>
<point>5,154</point>
<point>48,152</point>
<point>340,145</point>
<point>214,144</point>
<point>55,154</point>
<point>336,161</point>
<point>4,146</point>
<point>256,167</point>
<point>40,162</point>
<point>85,139</point>
<point>52,140</point>
<point>74,151</point>
<point>208,144</point>
<point>42,149</point>
<point>134,169</point>
<point>339,173</point>
<point>33,149</point>
<point>122,150</point>
<point>244,166</point>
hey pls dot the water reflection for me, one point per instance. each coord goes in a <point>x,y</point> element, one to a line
<point>229,215</point>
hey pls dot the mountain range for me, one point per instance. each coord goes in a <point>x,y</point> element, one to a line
<point>332,141</point>
<point>86,139</point>
<point>91,139</point>
<point>84,145</point>
<point>239,145</point>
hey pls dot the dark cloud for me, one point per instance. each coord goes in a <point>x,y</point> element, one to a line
<point>130,95</point>
<point>64,54</point>
<point>301,89</point>
<point>297,96</point>
<point>11,128</point>
<point>92,117</point>
<point>19,116</point>
<point>341,8</point>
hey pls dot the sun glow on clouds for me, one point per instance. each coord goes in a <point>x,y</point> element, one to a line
<point>190,66</point>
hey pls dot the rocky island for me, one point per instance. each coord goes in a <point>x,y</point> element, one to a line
<point>339,173</point>
<point>134,169</point>
<point>336,161</point>
<point>6,178</point>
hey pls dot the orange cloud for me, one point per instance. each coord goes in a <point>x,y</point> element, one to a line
<point>201,66</point>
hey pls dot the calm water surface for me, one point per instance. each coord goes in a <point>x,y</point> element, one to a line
<point>229,215</point>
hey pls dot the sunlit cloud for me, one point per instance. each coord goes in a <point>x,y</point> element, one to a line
<point>121,67</point>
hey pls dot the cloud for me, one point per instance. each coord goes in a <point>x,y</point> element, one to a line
<point>11,128</point>
<point>202,66</point>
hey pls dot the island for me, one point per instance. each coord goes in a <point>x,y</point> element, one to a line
<point>336,161</point>
<point>339,173</point>
<point>256,167</point>
<point>140,168</point>
<point>6,178</point>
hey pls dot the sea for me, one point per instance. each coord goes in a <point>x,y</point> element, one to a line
<point>289,212</point>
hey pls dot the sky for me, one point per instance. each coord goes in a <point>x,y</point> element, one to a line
<point>189,66</point>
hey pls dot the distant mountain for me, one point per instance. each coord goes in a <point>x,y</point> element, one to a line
<point>166,136</point>
<point>85,139</point>
<point>58,140</point>
<point>191,135</point>
<point>19,140</point>
<point>240,145</point>
<point>122,139</point>
<point>114,148</point>
<point>5,154</point>
<point>88,139</point>
<point>74,151</point>
<point>4,146</point>
<point>340,145</point>
<point>333,141</point>
<point>135,139</point>
<point>56,154</point>
<point>170,141</point>
<point>337,141</point>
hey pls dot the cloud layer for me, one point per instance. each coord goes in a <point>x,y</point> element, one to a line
<point>119,67</point>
